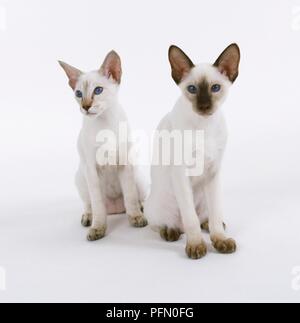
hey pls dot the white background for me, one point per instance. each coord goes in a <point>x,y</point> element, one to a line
<point>42,245</point>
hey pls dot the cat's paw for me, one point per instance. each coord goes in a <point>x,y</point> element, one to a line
<point>86,220</point>
<point>196,251</point>
<point>95,234</point>
<point>169,234</point>
<point>226,246</point>
<point>138,221</point>
<point>205,226</point>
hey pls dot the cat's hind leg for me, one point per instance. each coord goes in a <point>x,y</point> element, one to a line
<point>163,216</point>
<point>131,197</point>
<point>205,226</point>
<point>170,234</point>
<point>143,186</point>
<point>83,191</point>
<point>202,210</point>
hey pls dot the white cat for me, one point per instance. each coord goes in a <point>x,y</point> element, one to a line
<point>178,203</point>
<point>104,189</point>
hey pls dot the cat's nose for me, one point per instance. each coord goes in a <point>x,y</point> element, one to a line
<point>87,104</point>
<point>86,107</point>
<point>204,107</point>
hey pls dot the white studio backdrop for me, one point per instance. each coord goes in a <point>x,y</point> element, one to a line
<point>40,121</point>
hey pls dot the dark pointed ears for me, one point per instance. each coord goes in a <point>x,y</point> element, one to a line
<point>112,67</point>
<point>72,73</point>
<point>180,63</point>
<point>229,61</point>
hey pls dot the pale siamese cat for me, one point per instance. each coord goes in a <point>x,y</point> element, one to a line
<point>178,203</point>
<point>104,189</point>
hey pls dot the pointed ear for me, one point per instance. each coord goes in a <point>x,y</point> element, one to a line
<point>72,73</point>
<point>228,62</point>
<point>112,67</point>
<point>180,63</point>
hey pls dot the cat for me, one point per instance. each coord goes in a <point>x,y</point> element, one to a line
<point>104,188</point>
<point>183,204</point>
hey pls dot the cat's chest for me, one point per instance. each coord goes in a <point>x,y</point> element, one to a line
<point>210,153</point>
<point>101,142</point>
<point>98,131</point>
<point>209,165</point>
<point>214,147</point>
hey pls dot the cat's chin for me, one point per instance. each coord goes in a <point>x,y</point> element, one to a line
<point>97,111</point>
<point>204,115</point>
<point>91,115</point>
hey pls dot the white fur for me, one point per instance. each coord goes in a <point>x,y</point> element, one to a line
<point>182,202</point>
<point>104,189</point>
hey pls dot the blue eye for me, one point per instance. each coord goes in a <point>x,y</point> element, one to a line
<point>192,89</point>
<point>79,94</point>
<point>98,90</point>
<point>216,88</point>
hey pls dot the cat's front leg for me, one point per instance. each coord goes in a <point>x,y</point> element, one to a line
<point>131,197</point>
<point>99,221</point>
<point>220,241</point>
<point>196,246</point>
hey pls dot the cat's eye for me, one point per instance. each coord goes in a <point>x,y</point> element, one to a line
<point>98,90</point>
<point>79,94</point>
<point>216,88</point>
<point>192,89</point>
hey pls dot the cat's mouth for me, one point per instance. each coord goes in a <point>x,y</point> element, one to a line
<point>205,115</point>
<point>89,113</point>
<point>94,111</point>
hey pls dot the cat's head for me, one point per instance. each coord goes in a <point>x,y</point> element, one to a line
<point>205,85</point>
<point>95,90</point>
